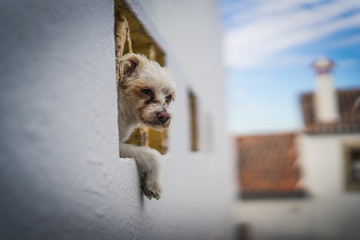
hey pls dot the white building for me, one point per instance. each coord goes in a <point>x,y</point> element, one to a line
<point>60,172</point>
<point>306,185</point>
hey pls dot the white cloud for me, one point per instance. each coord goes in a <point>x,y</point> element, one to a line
<point>235,93</point>
<point>353,40</point>
<point>347,63</point>
<point>281,26</point>
<point>291,60</point>
<point>246,108</point>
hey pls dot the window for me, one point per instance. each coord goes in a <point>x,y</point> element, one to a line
<point>352,166</point>
<point>131,36</point>
<point>194,143</point>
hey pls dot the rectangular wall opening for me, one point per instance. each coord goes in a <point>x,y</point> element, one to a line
<point>132,37</point>
<point>194,142</point>
<point>352,166</point>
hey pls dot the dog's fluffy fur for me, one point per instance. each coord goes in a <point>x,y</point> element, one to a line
<point>145,92</point>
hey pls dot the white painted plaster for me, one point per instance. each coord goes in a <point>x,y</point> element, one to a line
<point>326,104</point>
<point>60,172</point>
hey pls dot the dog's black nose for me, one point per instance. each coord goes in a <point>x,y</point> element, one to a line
<point>163,116</point>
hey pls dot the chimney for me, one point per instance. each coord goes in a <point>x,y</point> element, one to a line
<point>326,104</point>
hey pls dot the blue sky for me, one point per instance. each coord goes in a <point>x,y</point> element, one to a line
<point>268,49</point>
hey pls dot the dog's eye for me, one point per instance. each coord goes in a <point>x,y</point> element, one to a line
<point>168,98</point>
<point>147,92</point>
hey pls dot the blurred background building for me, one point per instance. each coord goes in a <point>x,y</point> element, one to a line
<point>305,184</point>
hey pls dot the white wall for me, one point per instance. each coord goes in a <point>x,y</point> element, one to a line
<point>200,183</point>
<point>191,32</point>
<point>337,210</point>
<point>329,212</point>
<point>277,219</point>
<point>60,172</point>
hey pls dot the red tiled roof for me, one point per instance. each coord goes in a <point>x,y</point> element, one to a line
<point>267,165</point>
<point>349,114</point>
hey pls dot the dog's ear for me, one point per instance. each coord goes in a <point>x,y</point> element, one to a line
<point>128,64</point>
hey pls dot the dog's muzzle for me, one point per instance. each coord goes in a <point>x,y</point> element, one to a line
<point>163,117</point>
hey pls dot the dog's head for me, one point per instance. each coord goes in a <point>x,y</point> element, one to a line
<point>147,89</point>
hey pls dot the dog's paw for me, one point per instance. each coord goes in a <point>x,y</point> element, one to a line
<point>151,192</point>
<point>150,189</point>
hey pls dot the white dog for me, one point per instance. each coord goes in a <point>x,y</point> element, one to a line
<point>145,92</point>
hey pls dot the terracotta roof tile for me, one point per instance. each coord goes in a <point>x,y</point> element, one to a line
<point>349,114</point>
<point>267,164</point>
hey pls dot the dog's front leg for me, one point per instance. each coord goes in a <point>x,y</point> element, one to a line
<point>147,161</point>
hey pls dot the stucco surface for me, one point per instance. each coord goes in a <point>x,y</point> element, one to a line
<point>60,172</point>
<point>61,176</point>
